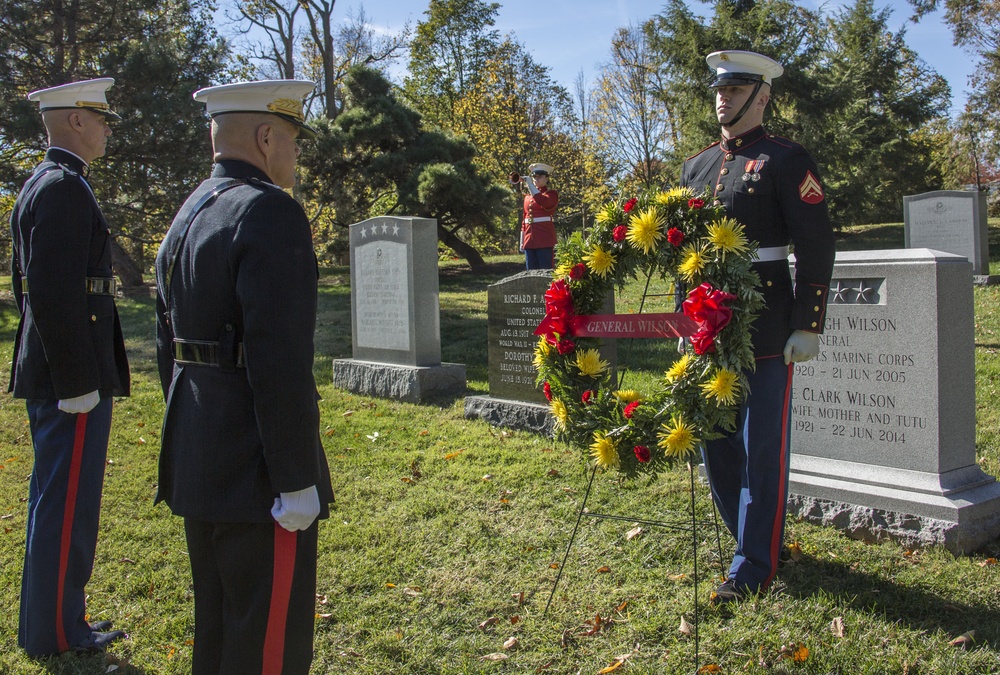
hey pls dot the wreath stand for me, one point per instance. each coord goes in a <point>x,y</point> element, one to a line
<point>679,526</point>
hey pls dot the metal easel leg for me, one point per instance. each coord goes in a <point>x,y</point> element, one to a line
<point>572,538</point>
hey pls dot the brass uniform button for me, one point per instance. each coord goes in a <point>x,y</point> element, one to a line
<point>730,157</point>
<point>724,171</point>
<point>813,324</point>
<point>819,292</point>
<point>749,191</point>
<point>720,187</point>
<point>716,203</point>
<point>93,317</point>
<point>816,309</point>
<point>770,283</point>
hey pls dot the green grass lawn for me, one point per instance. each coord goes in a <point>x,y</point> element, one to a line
<point>447,535</point>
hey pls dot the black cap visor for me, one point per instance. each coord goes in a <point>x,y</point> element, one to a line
<point>736,79</point>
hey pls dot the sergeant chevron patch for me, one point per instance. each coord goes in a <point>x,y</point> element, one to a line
<point>810,190</point>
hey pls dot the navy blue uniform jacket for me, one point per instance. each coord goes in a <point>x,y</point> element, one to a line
<point>234,437</point>
<point>771,185</point>
<point>69,343</point>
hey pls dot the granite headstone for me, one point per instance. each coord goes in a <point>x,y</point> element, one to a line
<point>883,420</point>
<point>953,221</point>
<point>395,316</point>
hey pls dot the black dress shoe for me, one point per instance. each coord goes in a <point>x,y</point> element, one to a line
<point>726,593</point>
<point>97,642</point>
<point>100,626</point>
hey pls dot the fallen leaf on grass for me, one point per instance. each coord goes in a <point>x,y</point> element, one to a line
<point>331,432</point>
<point>709,668</point>
<point>413,592</point>
<point>407,479</point>
<point>390,585</point>
<point>519,597</point>
<point>488,476</point>
<point>796,651</point>
<point>453,455</point>
<point>837,627</point>
<point>597,625</point>
<point>603,570</point>
<point>621,608</point>
<point>323,616</point>
<point>348,413</point>
<point>567,638</point>
<point>554,473</point>
<point>677,577</point>
<point>795,550</point>
<point>489,622</point>
<point>686,628</point>
<point>619,661</point>
<point>351,652</point>
<point>545,667</point>
<point>964,640</point>
<point>633,533</point>
<point>554,566</point>
<point>127,560</point>
<point>511,643</point>
<point>423,432</point>
<point>988,562</point>
<point>7,516</point>
<point>496,656</point>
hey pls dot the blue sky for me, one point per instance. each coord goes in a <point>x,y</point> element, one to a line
<point>570,35</point>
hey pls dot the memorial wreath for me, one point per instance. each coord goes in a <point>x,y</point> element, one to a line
<point>677,236</point>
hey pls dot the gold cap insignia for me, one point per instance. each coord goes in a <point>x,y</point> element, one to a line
<point>287,106</point>
<point>97,105</point>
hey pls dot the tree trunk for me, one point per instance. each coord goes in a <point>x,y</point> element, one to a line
<point>463,249</point>
<point>125,268</point>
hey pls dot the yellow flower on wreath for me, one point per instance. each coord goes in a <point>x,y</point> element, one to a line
<point>628,395</point>
<point>678,370</point>
<point>645,229</point>
<point>543,350</point>
<point>695,258</point>
<point>604,450</point>
<point>599,261</point>
<point>727,236</point>
<point>564,269</point>
<point>675,197</point>
<point>560,413</point>
<point>723,387</point>
<point>589,363</point>
<point>608,214</point>
<point>676,439</point>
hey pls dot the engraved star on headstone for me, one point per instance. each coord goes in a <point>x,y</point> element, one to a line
<point>385,228</point>
<point>395,229</point>
<point>364,233</point>
<point>840,292</point>
<point>863,292</point>
<point>374,230</point>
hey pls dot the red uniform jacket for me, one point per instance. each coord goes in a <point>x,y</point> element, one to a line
<point>542,205</point>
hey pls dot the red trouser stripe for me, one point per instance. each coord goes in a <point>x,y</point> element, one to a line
<point>281,591</point>
<point>72,487</point>
<point>779,514</point>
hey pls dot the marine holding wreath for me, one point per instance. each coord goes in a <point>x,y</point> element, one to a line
<point>772,186</point>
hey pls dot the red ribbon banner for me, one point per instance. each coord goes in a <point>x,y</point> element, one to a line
<point>633,326</point>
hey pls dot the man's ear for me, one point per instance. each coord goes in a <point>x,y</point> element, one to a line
<point>265,138</point>
<point>75,121</point>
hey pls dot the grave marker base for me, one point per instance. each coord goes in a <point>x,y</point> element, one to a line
<point>411,384</point>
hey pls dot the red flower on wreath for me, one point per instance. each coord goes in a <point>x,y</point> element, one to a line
<point>587,395</point>
<point>558,315</point>
<point>565,347</point>
<point>641,453</point>
<point>619,233</point>
<point>629,409</point>
<point>547,390</point>
<point>695,203</point>
<point>675,236</point>
<point>708,306</point>
<point>577,271</point>
<point>630,204</point>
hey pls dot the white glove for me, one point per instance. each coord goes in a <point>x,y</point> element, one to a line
<point>80,404</point>
<point>531,187</point>
<point>801,346</point>
<point>296,510</point>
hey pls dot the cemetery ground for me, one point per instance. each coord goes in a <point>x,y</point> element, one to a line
<point>447,535</point>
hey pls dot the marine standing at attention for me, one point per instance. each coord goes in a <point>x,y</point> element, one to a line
<point>69,362</point>
<point>772,186</point>
<point>241,459</point>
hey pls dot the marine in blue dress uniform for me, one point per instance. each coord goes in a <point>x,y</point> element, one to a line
<point>241,459</point>
<point>773,187</point>
<point>69,362</point>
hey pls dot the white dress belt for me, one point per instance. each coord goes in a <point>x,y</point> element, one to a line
<point>539,219</point>
<point>771,254</point>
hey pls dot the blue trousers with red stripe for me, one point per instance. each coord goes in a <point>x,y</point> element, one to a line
<point>64,505</point>
<point>254,597</point>
<point>748,473</point>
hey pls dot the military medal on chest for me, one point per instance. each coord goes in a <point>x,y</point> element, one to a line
<point>752,170</point>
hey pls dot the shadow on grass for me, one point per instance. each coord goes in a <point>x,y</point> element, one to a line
<point>82,664</point>
<point>918,608</point>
